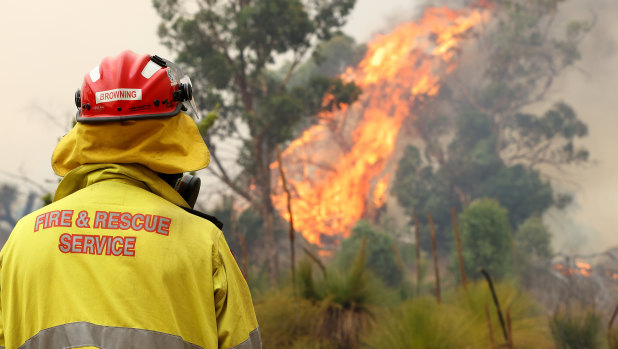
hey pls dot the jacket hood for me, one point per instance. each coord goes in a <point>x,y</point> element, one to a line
<point>168,145</point>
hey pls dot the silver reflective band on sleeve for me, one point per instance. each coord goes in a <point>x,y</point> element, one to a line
<point>253,342</point>
<point>82,334</point>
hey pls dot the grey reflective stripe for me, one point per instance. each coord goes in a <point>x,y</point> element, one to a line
<point>82,334</point>
<point>253,342</point>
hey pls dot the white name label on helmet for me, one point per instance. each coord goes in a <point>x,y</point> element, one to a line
<point>119,94</point>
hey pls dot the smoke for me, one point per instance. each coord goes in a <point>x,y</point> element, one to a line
<point>591,89</point>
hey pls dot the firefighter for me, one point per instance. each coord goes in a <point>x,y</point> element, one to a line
<point>120,259</point>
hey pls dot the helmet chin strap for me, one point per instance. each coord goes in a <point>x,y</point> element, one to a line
<point>188,186</point>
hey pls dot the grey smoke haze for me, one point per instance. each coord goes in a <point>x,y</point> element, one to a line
<point>592,89</point>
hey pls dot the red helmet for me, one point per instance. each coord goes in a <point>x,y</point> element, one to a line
<point>131,86</point>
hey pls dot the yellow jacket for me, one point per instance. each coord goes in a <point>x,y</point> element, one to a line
<point>116,262</point>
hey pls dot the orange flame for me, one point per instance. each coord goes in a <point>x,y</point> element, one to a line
<point>379,193</point>
<point>584,268</point>
<point>337,169</point>
<point>580,268</point>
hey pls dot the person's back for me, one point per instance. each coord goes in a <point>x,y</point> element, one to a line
<point>119,260</point>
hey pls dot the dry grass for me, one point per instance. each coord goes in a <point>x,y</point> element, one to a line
<point>528,321</point>
<point>612,339</point>
<point>460,322</point>
<point>421,323</point>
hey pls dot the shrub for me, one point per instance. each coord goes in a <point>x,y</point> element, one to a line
<point>533,251</point>
<point>486,242</point>
<point>285,321</point>
<point>345,299</point>
<point>533,238</point>
<point>575,327</point>
<point>421,323</point>
<point>528,322</point>
<point>380,257</point>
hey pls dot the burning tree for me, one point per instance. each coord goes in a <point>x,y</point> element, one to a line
<point>339,170</point>
<point>460,104</point>
<point>229,47</point>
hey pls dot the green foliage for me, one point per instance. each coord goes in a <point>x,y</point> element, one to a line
<point>532,136</point>
<point>208,121</point>
<point>379,253</point>
<point>485,239</point>
<point>576,328</point>
<point>421,189</point>
<point>472,170</point>
<point>229,47</point>
<point>533,251</point>
<point>284,108</point>
<point>534,238</point>
<point>520,190</point>
<point>471,153</point>
<point>273,26</point>
<point>330,59</point>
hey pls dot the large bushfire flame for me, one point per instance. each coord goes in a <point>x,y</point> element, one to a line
<point>337,170</point>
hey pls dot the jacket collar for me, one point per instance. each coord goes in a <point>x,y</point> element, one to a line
<point>132,174</point>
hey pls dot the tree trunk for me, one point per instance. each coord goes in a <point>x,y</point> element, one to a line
<point>267,210</point>
<point>272,262</point>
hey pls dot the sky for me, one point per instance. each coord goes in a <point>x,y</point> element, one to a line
<point>48,47</point>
